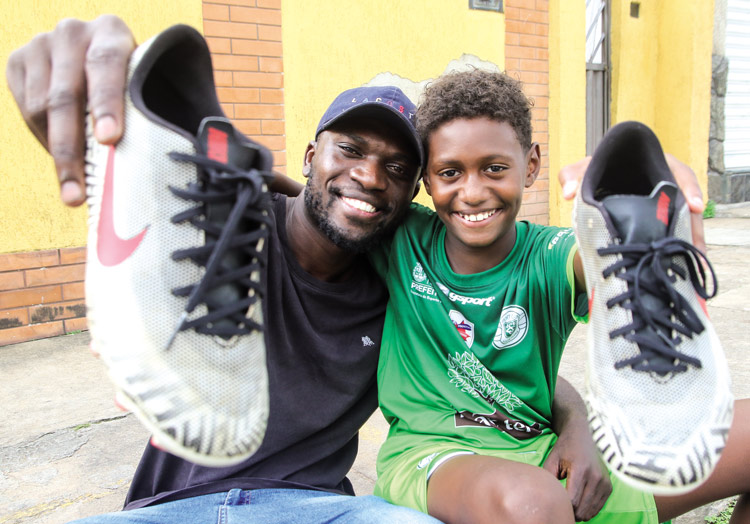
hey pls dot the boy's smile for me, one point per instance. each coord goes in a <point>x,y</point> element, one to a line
<point>476,173</point>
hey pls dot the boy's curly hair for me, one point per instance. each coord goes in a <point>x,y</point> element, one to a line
<point>474,94</point>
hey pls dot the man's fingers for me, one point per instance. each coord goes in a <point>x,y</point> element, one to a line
<point>66,108</point>
<point>106,71</point>
<point>27,73</point>
<point>54,75</point>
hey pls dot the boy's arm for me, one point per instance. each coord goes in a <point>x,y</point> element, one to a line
<point>578,271</point>
<point>574,455</point>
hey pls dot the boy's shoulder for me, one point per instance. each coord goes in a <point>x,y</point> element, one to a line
<point>420,210</point>
<point>418,216</point>
<point>544,241</point>
<point>538,232</point>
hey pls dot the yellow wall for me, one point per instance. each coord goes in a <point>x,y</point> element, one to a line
<point>335,45</point>
<point>635,62</point>
<point>684,97</point>
<point>31,215</point>
<point>567,106</point>
<point>662,74</point>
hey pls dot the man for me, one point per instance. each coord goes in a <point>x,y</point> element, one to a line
<point>362,172</point>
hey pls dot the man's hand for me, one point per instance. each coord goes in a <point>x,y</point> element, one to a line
<point>574,456</point>
<point>56,75</point>
<point>571,175</point>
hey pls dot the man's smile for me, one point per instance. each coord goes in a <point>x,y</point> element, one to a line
<point>359,205</point>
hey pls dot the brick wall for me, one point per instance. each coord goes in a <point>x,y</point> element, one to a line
<point>527,58</point>
<point>245,41</point>
<point>41,293</point>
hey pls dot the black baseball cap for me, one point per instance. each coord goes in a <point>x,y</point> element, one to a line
<point>386,103</point>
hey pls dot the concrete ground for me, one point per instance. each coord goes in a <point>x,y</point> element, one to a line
<point>67,452</point>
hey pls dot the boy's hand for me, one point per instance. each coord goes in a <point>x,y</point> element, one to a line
<point>56,75</point>
<point>574,456</point>
<point>285,185</point>
<point>571,175</point>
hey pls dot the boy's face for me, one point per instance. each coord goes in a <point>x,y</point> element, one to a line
<point>476,173</point>
<point>362,175</point>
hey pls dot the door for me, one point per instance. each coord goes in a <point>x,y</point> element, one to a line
<point>597,72</point>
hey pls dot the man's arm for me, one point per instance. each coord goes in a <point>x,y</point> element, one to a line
<point>56,76</point>
<point>574,455</point>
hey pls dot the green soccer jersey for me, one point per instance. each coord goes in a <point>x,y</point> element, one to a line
<point>472,358</point>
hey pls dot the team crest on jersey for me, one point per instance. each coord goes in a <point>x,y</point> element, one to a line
<point>512,328</point>
<point>464,327</point>
<point>420,284</point>
<point>418,273</point>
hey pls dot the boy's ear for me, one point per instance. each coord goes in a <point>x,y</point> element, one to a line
<point>416,188</point>
<point>426,181</point>
<point>533,164</point>
<point>309,154</point>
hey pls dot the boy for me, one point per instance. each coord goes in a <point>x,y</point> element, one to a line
<point>480,309</point>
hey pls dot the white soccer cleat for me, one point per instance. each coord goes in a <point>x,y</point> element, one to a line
<point>177,228</point>
<point>657,382</point>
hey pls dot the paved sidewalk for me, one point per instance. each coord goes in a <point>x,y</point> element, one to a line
<point>66,452</point>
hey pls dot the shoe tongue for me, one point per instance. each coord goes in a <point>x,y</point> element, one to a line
<point>643,218</point>
<point>219,141</point>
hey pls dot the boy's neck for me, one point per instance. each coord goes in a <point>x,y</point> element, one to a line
<point>468,260</point>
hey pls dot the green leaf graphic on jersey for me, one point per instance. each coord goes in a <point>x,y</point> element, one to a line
<point>470,376</point>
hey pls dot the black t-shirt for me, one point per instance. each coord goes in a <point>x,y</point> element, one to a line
<point>322,342</point>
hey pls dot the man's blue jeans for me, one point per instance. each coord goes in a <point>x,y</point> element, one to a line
<point>268,506</point>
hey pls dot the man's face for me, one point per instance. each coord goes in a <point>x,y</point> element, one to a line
<point>361,177</point>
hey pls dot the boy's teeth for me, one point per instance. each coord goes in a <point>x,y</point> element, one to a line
<point>359,204</point>
<point>478,216</point>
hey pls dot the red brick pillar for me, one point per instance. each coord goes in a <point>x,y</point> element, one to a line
<point>245,41</point>
<point>527,58</point>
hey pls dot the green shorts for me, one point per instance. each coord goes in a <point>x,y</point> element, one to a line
<point>403,480</point>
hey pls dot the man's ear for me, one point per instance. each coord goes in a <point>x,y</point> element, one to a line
<point>309,154</point>
<point>533,164</point>
<point>416,188</point>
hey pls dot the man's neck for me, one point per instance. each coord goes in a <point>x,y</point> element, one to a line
<point>314,251</point>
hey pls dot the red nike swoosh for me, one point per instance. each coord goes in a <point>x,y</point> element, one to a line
<point>110,248</point>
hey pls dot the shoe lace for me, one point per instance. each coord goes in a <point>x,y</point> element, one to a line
<point>223,184</point>
<point>652,269</point>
